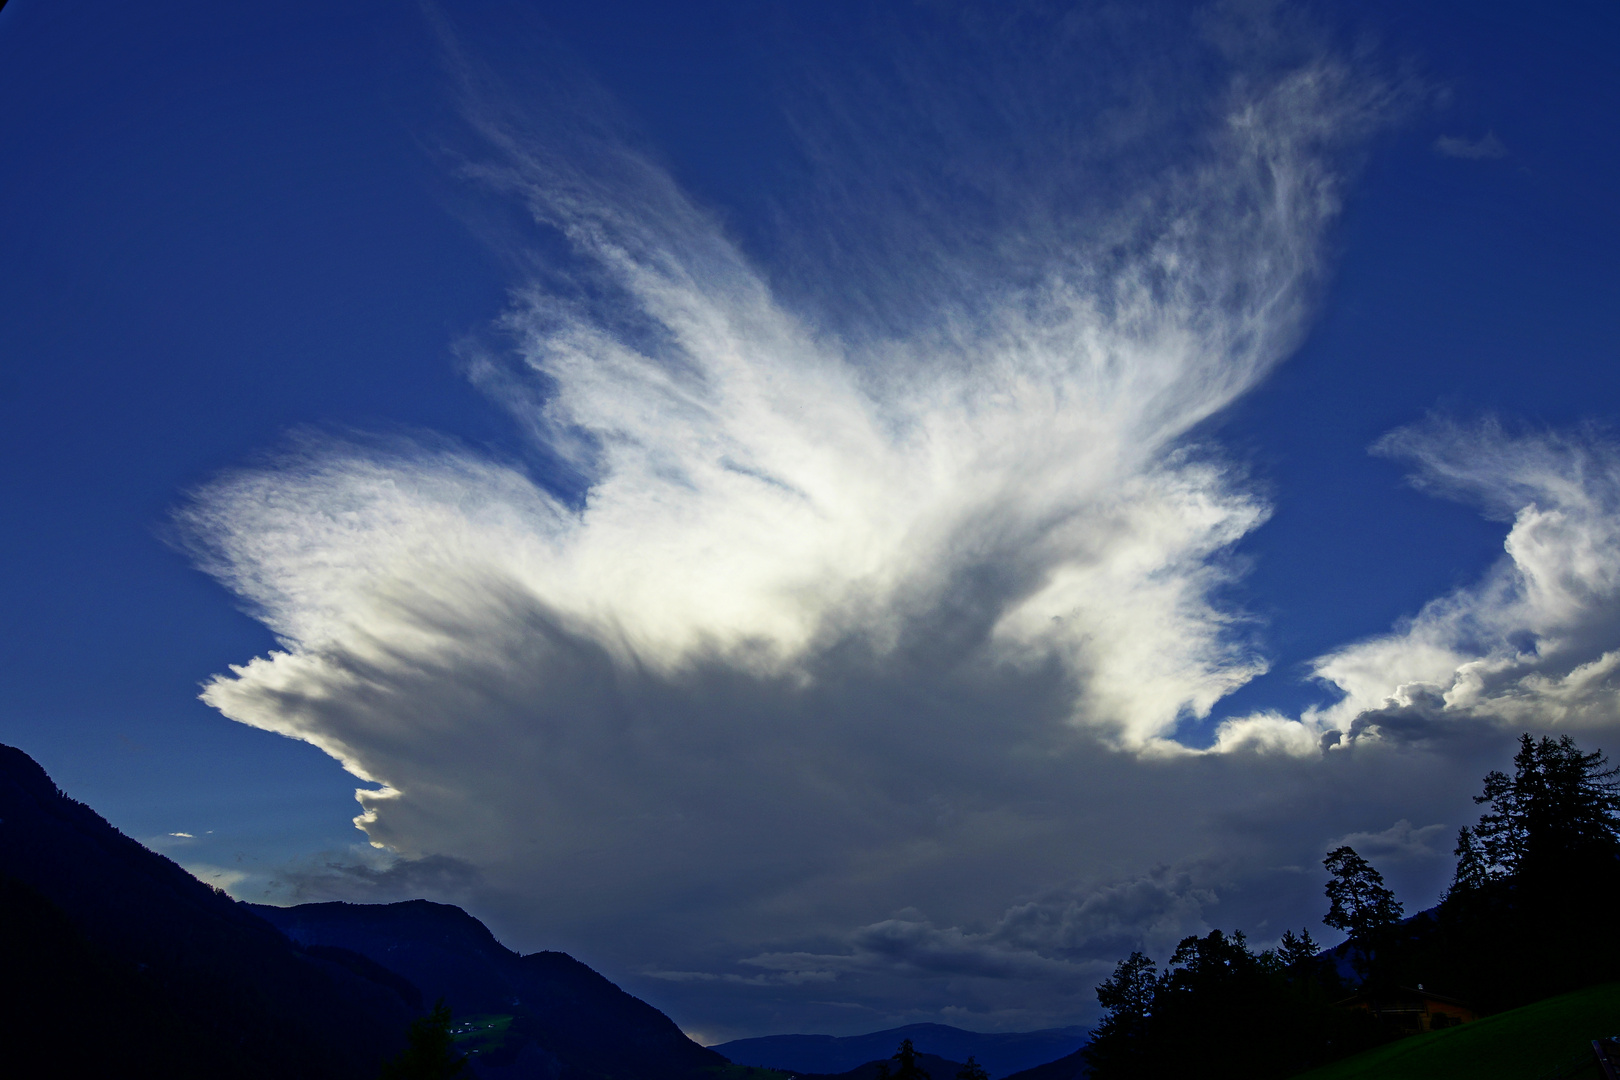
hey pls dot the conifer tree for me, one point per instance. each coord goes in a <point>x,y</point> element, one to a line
<point>1128,996</point>
<point>1473,868</point>
<point>1359,903</point>
<point>1536,878</point>
<point>906,1060</point>
<point>431,1053</point>
<point>972,1070</point>
<point>1560,807</point>
<point>1294,950</point>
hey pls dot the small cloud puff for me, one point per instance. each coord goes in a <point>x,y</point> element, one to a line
<point>1400,841</point>
<point>218,876</point>
<point>1487,148</point>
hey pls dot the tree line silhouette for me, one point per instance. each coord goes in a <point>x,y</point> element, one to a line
<point>1529,914</point>
<point>906,1066</point>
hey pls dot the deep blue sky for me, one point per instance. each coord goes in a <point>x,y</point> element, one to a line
<point>219,226</point>
<point>221,223</point>
<point>1465,287</point>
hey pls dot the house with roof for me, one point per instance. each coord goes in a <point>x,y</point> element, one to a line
<point>1410,1009</point>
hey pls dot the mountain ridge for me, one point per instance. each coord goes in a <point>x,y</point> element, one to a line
<point>117,958</point>
<point>1001,1053</point>
<point>567,1021</point>
<point>119,962</point>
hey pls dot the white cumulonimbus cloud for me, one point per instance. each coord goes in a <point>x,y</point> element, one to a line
<point>759,496</point>
<point>1536,643</point>
<point>831,610</point>
<point>797,623</point>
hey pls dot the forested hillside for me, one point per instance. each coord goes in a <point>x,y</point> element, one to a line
<point>1530,913</point>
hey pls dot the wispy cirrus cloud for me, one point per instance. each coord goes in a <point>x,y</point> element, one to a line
<point>801,610</point>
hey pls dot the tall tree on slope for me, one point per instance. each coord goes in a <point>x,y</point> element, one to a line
<point>1360,904</point>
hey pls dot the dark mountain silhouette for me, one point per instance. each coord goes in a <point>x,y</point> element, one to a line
<point>1070,1067</point>
<point>117,962</point>
<point>1001,1053</point>
<point>567,1021</point>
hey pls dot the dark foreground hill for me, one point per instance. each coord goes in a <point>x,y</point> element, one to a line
<point>1001,1053</point>
<point>544,1015</point>
<point>1071,1067</point>
<point>1551,1038</point>
<point>117,962</point>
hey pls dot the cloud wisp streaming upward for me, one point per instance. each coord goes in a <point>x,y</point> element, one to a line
<point>1536,643</point>
<point>803,614</point>
<point>760,495</point>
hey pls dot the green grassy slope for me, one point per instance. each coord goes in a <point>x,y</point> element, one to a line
<point>480,1033</point>
<point>1521,1044</point>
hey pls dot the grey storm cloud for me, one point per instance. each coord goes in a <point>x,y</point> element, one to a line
<point>1401,840</point>
<point>846,683</point>
<point>373,877</point>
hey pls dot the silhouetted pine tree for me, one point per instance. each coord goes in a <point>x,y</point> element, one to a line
<point>906,1062</point>
<point>1473,867</point>
<point>1221,1010</point>
<point>972,1070</point>
<point>1359,904</point>
<point>1530,908</point>
<point>431,1054</point>
<point>1529,914</point>
<point>1559,812</point>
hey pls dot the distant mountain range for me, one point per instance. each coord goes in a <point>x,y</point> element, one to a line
<point>936,1067</point>
<point>117,962</point>
<point>1001,1054</point>
<point>546,1014</point>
